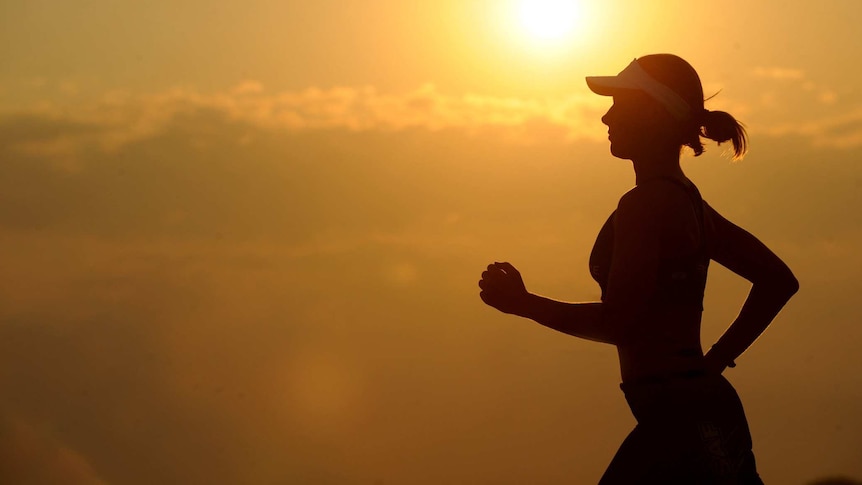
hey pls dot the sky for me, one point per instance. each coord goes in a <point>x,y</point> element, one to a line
<point>242,239</point>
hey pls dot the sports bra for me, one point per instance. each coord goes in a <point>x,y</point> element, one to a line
<point>681,280</point>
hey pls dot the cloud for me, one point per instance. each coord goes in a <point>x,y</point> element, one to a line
<point>247,87</point>
<point>840,131</point>
<point>779,73</point>
<point>364,108</point>
<point>121,117</point>
<point>786,102</point>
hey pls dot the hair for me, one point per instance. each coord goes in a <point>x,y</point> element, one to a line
<point>719,126</point>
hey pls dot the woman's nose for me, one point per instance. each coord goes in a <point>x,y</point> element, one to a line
<point>606,119</point>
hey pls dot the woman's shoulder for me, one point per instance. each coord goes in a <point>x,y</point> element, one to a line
<point>660,203</point>
<point>657,195</point>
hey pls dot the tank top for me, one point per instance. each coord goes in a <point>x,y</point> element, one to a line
<point>680,280</point>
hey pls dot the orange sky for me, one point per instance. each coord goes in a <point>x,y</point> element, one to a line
<point>243,238</point>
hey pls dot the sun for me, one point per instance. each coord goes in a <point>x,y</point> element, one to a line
<point>549,20</point>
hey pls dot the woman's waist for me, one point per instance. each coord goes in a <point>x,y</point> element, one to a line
<point>683,397</point>
<point>648,364</point>
<point>662,377</point>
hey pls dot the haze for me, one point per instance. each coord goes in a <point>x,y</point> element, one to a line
<point>242,239</point>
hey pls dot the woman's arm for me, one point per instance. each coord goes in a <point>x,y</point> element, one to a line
<point>503,288</point>
<point>631,283</point>
<point>772,286</point>
<point>582,320</point>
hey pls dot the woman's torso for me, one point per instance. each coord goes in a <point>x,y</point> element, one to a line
<point>666,341</point>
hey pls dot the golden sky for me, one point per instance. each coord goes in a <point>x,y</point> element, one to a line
<point>242,239</point>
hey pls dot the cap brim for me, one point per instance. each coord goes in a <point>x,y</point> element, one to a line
<point>606,85</point>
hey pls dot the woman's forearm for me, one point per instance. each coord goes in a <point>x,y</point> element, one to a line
<point>760,308</point>
<point>582,320</point>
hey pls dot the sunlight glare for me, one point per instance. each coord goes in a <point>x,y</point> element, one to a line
<point>549,19</point>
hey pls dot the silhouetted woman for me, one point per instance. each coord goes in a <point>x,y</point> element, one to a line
<point>650,259</point>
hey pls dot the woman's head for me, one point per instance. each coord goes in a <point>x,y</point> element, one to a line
<point>658,103</point>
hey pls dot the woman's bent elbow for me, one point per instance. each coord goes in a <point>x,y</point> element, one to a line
<point>791,286</point>
<point>780,284</point>
<point>785,284</point>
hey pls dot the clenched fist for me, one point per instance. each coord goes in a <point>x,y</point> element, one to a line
<point>503,288</point>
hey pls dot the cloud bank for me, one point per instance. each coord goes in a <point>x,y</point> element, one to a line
<point>121,117</point>
<point>200,293</point>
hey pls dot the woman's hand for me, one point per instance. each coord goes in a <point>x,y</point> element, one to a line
<point>713,365</point>
<point>503,289</point>
<point>715,362</point>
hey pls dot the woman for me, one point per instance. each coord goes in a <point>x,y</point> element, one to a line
<point>650,259</point>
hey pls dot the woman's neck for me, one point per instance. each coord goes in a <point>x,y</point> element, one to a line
<point>652,167</point>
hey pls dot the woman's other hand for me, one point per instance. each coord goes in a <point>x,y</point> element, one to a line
<point>503,288</point>
<point>713,363</point>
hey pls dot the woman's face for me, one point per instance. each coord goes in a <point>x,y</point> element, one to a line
<point>638,125</point>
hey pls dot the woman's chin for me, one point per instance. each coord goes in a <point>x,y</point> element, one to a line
<point>620,152</point>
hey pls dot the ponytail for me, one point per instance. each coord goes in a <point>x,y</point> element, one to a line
<point>676,74</point>
<point>721,127</point>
